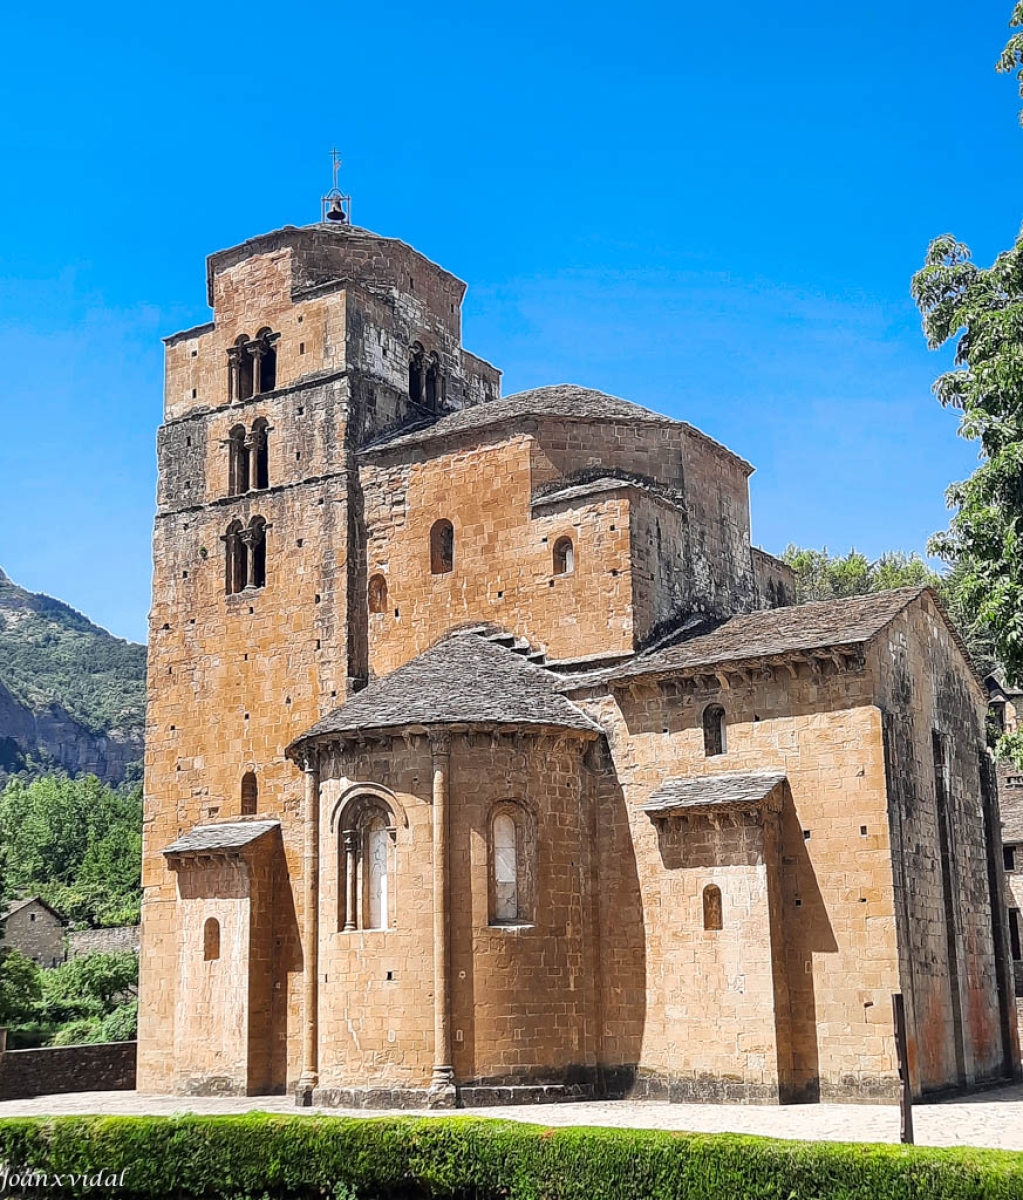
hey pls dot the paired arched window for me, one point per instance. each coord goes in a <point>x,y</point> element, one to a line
<point>248,458</point>
<point>250,794</point>
<point>442,547</point>
<point>425,381</point>
<point>715,731</point>
<point>712,916</point>
<point>252,365</point>
<point>564,556</point>
<point>366,871</point>
<point>511,874</point>
<point>211,939</point>
<point>377,592</point>
<point>245,555</point>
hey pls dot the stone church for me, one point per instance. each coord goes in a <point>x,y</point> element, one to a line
<point>488,761</point>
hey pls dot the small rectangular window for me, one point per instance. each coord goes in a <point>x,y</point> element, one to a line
<point>1009,857</point>
<point>1017,952</point>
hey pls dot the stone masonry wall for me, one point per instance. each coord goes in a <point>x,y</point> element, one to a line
<point>835,893</point>
<point>37,933</point>
<point>523,996</point>
<point>107,1067</point>
<point>81,942</point>
<point>503,570</point>
<point>947,961</point>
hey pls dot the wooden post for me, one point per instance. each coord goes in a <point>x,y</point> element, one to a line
<point>902,1050</point>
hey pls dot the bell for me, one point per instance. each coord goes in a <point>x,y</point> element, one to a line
<point>336,212</point>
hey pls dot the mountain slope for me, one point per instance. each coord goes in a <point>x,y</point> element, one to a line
<point>71,694</point>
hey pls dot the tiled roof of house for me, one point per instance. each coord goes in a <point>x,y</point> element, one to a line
<point>818,625</point>
<point>712,791</point>
<point>226,835</point>
<point>462,679</point>
<point>17,905</point>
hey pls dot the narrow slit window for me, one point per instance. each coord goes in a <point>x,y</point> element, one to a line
<point>377,594</point>
<point>506,868</point>
<point>564,556</point>
<point>715,731</point>
<point>378,843</point>
<point>250,794</point>
<point>442,548</point>
<point>211,940</point>
<point>712,917</point>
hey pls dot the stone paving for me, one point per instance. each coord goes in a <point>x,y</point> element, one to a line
<point>992,1118</point>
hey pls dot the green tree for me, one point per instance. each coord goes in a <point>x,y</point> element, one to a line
<point>980,310</point>
<point>822,576</point>
<point>20,988</point>
<point>75,843</point>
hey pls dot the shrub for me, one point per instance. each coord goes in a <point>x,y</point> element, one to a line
<point>282,1157</point>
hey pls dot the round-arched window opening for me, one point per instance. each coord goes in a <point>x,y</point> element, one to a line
<point>442,548</point>
<point>377,594</point>
<point>715,731</point>
<point>564,556</point>
<point>211,939</point>
<point>250,794</point>
<point>712,918</point>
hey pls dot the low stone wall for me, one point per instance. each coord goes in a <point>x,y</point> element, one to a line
<point>81,942</point>
<point>109,1066</point>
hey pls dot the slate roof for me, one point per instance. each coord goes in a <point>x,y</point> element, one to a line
<point>226,835</point>
<point>712,791</point>
<point>595,487</point>
<point>558,400</point>
<point>818,625</point>
<point>17,905</point>
<point>462,679</point>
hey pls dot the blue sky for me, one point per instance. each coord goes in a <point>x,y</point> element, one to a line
<point>712,210</point>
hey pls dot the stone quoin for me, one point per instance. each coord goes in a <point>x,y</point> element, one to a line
<point>486,760</point>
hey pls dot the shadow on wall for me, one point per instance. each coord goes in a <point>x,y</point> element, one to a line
<point>623,952</point>
<point>805,930</point>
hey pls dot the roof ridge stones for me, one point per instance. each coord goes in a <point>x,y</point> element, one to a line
<point>819,625</point>
<point>464,679</point>
<point>567,401</point>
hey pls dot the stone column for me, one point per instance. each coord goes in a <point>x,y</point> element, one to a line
<point>310,930</point>
<point>351,840</point>
<point>256,350</point>
<point>233,368</point>
<point>442,1085</point>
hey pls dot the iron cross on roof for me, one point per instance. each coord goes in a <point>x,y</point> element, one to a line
<point>335,205</point>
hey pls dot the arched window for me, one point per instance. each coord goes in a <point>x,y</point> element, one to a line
<point>236,558</point>
<point>256,534</point>
<point>238,462</point>
<point>250,794</point>
<point>260,464</point>
<point>506,868</point>
<point>264,357</point>
<point>715,735</point>
<point>511,878</point>
<point>432,382</point>
<point>564,556</point>
<point>240,368</point>
<point>366,894</point>
<point>712,918</point>
<point>377,852</point>
<point>442,548</point>
<point>377,594</point>
<point>415,374</point>
<point>211,939</point>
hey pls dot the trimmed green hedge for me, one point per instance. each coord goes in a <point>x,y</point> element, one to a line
<point>408,1158</point>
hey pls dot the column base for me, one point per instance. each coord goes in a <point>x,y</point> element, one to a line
<point>304,1093</point>
<point>443,1093</point>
